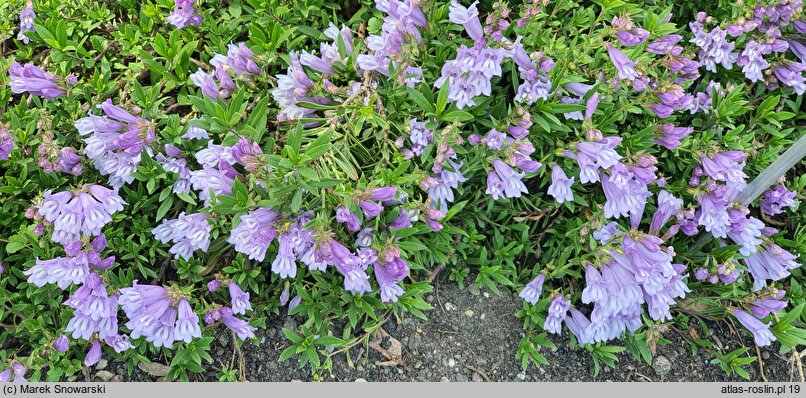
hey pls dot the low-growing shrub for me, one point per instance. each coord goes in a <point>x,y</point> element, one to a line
<point>175,170</point>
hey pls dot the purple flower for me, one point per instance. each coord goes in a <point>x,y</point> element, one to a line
<point>798,49</point>
<point>626,195</point>
<point>388,274</point>
<point>344,215</point>
<point>27,17</point>
<point>293,88</point>
<point>467,17</point>
<point>214,284</point>
<point>94,354</point>
<point>470,74</point>
<point>714,47</point>
<point>670,135</point>
<point>194,132</point>
<point>776,198</point>
<point>752,60</point>
<point>241,328</point>
<point>419,136</point>
<point>95,311</point>
<point>184,14</point>
<point>627,33</point>
<point>153,311</point>
<point>744,230</point>
<point>791,74</point>
<point>606,233</point>
<point>254,233</point>
<point>284,295</point>
<point>61,344</point>
<point>206,82</point>
<point>6,144</point>
<point>381,194</point>
<point>285,263</point>
<point>239,299</point>
<point>119,343</point>
<point>370,209</point>
<point>560,187</point>
<point>510,180</point>
<point>624,66</point>
<point>666,45</point>
<point>35,81</point>
<point>83,212</point>
<point>294,302</point>
<point>557,313</point>
<point>668,206</point>
<point>578,325</point>
<point>17,369</point>
<point>187,322</point>
<point>188,233</point>
<point>761,331</point>
<point>114,141</point>
<point>713,216</point>
<point>770,262</point>
<point>446,181</point>
<point>531,292</point>
<point>762,307</point>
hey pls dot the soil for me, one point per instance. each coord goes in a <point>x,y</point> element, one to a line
<point>472,335</point>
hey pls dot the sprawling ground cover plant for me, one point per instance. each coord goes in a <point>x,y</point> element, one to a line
<point>174,170</point>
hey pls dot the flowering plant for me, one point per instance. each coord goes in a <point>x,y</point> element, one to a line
<point>200,169</point>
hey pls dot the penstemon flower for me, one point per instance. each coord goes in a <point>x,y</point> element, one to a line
<point>61,344</point>
<point>82,212</point>
<point>27,16</point>
<point>761,331</point>
<point>558,310</point>
<point>187,232</point>
<point>627,33</point>
<point>776,198</point>
<point>184,14</point>
<point>161,315</point>
<point>560,187</point>
<point>671,135</point>
<point>239,63</point>
<point>531,292</point>
<point>114,141</point>
<point>6,144</point>
<point>714,47</point>
<point>254,233</point>
<point>34,80</point>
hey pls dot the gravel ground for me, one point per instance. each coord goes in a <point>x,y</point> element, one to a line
<point>472,336</point>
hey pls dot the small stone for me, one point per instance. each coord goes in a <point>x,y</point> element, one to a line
<point>469,313</point>
<point>482,316</point>
<point>154,369</point>
<point>449,306</point>
<point>462,378</point>
<point>101,365</point>
<point>117,379</point>
<point>661,365</point>
<point>444,379</point>
<point>451,362</point>
<point>360,380</point>
<point>522,376</point>
<point>429,298</point>
<point>419,330</point>
<point>223,339</point>
<point>765,355</point>
<point>477,378</point>
<point>486,295</point>
<point>105,375</point>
